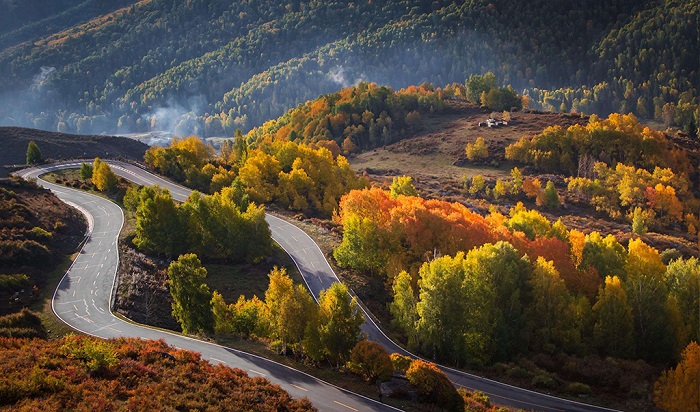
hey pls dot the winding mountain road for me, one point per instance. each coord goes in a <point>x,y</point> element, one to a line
<point>83,297</point>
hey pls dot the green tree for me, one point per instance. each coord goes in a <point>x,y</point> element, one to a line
<point>238,194</point>
<point>471,306</point>
<point>222,314</point>
<point>506,272</point>
<point>550,314</point>
<point>403,308</point>
<point>638,221</point>
<point>86,171</point>
<point>159,227</point>
<point>360,248</point>
<point>402,185</point>
<point>103,177</point>
<point>613,331</point>
<point>683,281</point>
<point>442,308</point>
<point>501,99</point>
<point>478,84</point>
<point>277,296</point>
<point>530,222</point>
<point>339,323</point>
<point>499,190</point>
<point>191,297</point>
<point>219,229</point>
<point>606,255</point>
<point>33,153</point>
<point>551,197</point>
<point>245,317</point>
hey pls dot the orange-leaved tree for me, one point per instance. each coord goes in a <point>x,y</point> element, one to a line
<point>678,390</point>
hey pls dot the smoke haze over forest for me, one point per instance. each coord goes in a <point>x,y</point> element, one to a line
<point>211,67</point>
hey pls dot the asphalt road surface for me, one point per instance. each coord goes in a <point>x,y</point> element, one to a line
<point>83,300</point>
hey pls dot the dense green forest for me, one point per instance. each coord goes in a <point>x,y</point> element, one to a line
<point>210,67</point>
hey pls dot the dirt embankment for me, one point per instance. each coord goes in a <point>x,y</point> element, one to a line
<point>36,231</point>
<point>14,141</point>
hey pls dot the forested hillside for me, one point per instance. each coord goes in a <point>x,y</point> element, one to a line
<point>210,67</point>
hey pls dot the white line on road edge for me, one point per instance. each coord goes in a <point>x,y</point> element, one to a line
<point>346,391</point>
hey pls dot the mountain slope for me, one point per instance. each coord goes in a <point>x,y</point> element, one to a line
<point>209,67</point>
<point>14,141</point>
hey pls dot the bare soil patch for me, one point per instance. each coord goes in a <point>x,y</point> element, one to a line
<point>437,152</point>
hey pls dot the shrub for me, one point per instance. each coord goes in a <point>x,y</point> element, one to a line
<point>40,234</point>
<point>11,283</point>
<point>544,380</point>
<point>400,362</point>
<point>474,401</point>
<point>96,353</point>
<point>517,371</point>
<point>432,383</point>
<point>25,324</point>
<point>371,361</point>
<point>578,388</point>
<point>19,252</point>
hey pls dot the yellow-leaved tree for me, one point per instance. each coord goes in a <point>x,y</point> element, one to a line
<point>678,390</point>
<point>103,177</point>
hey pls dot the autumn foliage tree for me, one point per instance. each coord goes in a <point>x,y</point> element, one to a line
<point>678,389</point>
<point>434,385</point>
<point>619,138</point>
<point>290,309</point>
<point>371,361</point>
<point>647,293</point>
<point>614,327</point>
<point>477,150</point>
<point>103,177</point>
<point>402,185</point>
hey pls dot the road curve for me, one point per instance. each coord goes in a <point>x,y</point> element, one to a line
<point>318,275</point>
<point>83,301</point>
